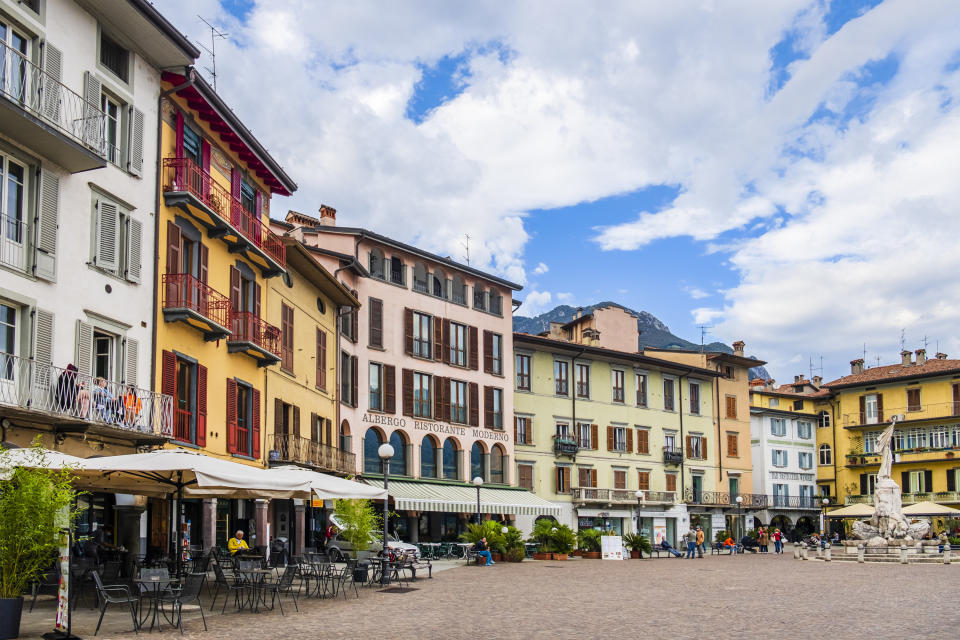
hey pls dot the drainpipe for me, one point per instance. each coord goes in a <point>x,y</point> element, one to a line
<point>833,433</point>
<point>573,403</point>
<point>716,412</point>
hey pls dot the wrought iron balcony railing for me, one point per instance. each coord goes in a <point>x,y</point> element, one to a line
<point>299,450</point>
<point>184,291</point>
<point>909,412</point>
<point>750,500</point>
<point>621,496</point>
<point>565,446</point>
<point>672,455</point>
<point>247,327</point>
<point>66,395</point>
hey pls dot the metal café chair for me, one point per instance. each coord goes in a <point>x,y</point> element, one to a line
<point>234,586</point>
<point>283,586</point>
<point>114,594</point>
<point>188,593</point>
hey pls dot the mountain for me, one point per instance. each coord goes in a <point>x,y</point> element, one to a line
<point>653,332</point>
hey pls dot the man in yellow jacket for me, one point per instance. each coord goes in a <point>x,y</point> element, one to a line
<point>699,542</point>
<point>237,543</point>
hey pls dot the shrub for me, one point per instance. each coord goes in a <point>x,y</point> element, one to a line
<point>637,542</point>
<point>721,535</point>
<point>359,519</point>
<point>954,540</point>
<point>562,539</point>
<point>588,540</point>
<point>515,554</point>
<point>542,530</point>
<point>489,529</point>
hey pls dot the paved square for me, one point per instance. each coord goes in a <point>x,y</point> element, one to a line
<point>717,597</point>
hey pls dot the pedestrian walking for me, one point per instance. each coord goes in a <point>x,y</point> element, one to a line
<point>763,540</point>
<point>777,541</point>
<point>699,541</point>
<point>691,539</point>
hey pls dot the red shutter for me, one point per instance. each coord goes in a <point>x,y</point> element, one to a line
<point>256,300</point>
<point>168,374</point>
<point>179,148</point>
<point>353,382</point>
<point>437,338</point>
<point>258,204</point>
<point>255,419</point>
<point>204,269</point>
<point>487,352</point>
<point>235,297</point>
<point>406,382</point>
<point>474,404</point>
<point>235,184</point>
<point>231,415</point>
<point>201,405</point>
<point>445,347</point>
<point>408,332</point>
<point>488,407</point>
<point>205,159</point>
<point>473,359</point>
<point>390,388</point>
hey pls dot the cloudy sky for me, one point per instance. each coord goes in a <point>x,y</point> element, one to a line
<point>785,172</point>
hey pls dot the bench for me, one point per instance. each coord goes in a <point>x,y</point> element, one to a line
<point>718,548</point>
<point>415,564</point>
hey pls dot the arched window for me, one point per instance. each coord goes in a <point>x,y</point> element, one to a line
<point>826,455</point>
<point>476,461</point>
<point>496,465</point>
<point>439,284</point>
<point>398,271</point>
<point>420,278</point>
<point>376,263</point>
<point>824,419</point>
<point>371,442</point>
<point>428,457</point>
<point>459,293</point>
<point>451,470</point>
<point>345,435</point>
<point>398,463</point>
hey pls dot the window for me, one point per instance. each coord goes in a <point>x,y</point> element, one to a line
<point>805,460</point>
<point>376,389</point>
<point>733,449</point>
<point>346,377</point>
<point>643,480</point>
<point>112,135</point>
<point>731,407</point>
<point>728,372</point>
<point>585,438</point>
<point>641,389</point>
<point>619,479</point>
<point>376,263</point>
<point>561,376</point>
<point>398,462</point>
<point>13,214</point>
<point>451,459</point>
<point>562,480</point>
<point>525,476</point>
<point>371,457</point>
<point>524,434</point>
<point>870,442</point>
<point>617,385</point>
<point>733,484</point>
<point>778,426</point>
<point>563,430</point>
<point>668,394</point>
<point>583,381</point>
<point>798,405</point>
<point>671,481</point>
<point>114,57</point>
<point>695,447</point>
<point>494,408</point>
<point>458,344</point>
<point>104,352</point>
<point>458,401</point>
<point>779,457</point>
<point>871,409</point>
<point>496,464</point>
<point>422,407</point>
<point>245,419</point>
<point>774,402</point>
<point>619,439</point>
<point>497,354</point>
<point>428,457</point>
<point>804,430</point>
<point>286,338</point>
<point>940,438</point>
<point>117,239</point>
<point>669,440</point>
<point>476,461</point>
<point>823,419</point>
<point>806,495</point>
<point>398,271</point>
<point>8,341</point>
<point>422,335</point>
<point>523,372</point>
<point>913,400</point>
<point>188,387</point>
<point>694,399</point>
<point>826,455</point>
<point>915,438</point>
<point>917,482</point>
<point>248,196</point>
<point>643,441</point>
<point>780,495</point>
<point>375,322</point>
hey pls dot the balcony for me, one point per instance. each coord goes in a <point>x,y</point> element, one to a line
<point>420,286</point>
<point>751,501</point>
<point>910,413</point>
<point>69,402</point>
<point>291,449</point>
<point>41,113</point>
<point>192,190</point>
<point>587,495</point>
<point>565,446</point>
<point>672,455</point>
<point>939,497</point>
<point>249,334</point>
<point>187,300</point>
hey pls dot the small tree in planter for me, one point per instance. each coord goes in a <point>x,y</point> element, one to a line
<point>35,505</point>
<point>542,532</point>
<point>638,544</point>
<point>513,543</point>
<point>562,541</point>
<point>489,529</point>
<point>588,542</point>
<point>359,519</point>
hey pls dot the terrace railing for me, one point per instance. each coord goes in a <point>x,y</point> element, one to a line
<point>300,450</point>
<point>184,291</point>
<point>247,327</point>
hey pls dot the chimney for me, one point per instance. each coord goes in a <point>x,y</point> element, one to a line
<point>798,379</point>
<point>771,383</point>
<point>738,348</point>
<point>941,355</point>
<point>905,357</point>
<point>921,356</point>
<point>328,216</point>
<point>298,219</point>
<point>856,366</point>
<point>817,381</point>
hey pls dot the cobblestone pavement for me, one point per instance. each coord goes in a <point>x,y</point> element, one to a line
<point>719,597</point>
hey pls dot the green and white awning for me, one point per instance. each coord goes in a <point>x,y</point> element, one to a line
<point>425,496</point>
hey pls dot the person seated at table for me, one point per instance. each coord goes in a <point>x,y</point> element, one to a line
<point>730,544</point>
<point>237,543</point>
<point>483,551</point>
<point>666,546</point>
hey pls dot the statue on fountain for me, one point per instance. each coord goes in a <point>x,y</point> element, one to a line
<point>888,523</point>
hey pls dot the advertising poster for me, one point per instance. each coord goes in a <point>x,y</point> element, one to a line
<point>63,590</point>
<point>659,531</point>
<point>611,547</point>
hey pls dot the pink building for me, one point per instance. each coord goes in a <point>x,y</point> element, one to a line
<point>425,365</point>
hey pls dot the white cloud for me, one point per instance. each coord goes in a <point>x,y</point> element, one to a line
<point>565,298</point>
<point>705,315</point>
<point>696,293</point>
<point>535,303</point>
<point>541,269</point>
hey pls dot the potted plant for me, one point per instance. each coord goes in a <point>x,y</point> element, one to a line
<point>588,543</point>
<point>513,544</point>
<point>637,543</point>
<point>359,520</point>
<point>542,531</point>
<point>492,531</point>
<point>562,541</point>
<point>35,507</point>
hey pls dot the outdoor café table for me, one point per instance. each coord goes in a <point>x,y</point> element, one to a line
<point>153,587</point>
<point>465,546</point>
<point>433,547</point>
<point>255,579</point>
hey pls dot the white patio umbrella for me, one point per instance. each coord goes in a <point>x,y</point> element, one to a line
<point>35,458</point>
<point>930,509</point>
<point>858,510</point>
<point>327,487</point>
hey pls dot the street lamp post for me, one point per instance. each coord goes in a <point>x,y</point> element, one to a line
<point>640,500</point>
<point>740,516</point>
<point>823,521</point>
<point>385,452</point>
<point>478,481</point>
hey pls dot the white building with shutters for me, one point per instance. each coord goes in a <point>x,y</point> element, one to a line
<point>79,97</point>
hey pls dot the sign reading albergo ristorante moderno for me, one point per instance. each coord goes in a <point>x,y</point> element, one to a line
<point>439,428</point>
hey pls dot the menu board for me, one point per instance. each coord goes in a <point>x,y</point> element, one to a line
<point>611,547</point>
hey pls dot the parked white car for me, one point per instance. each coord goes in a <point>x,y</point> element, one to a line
<point>339,548</point>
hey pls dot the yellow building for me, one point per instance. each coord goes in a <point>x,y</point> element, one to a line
<point>594,425</point>
<point>215,256</point>
<point>301,407</point>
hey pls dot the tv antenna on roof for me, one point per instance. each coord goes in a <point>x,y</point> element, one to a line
<point>212,50</point>
<point>817,369</point>
<point>902,338</point>
<point>466,245</point>
<point>703,334</point>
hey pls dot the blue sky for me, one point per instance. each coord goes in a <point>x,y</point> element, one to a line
<point>772,170</point>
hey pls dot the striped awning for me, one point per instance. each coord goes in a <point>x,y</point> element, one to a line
<point>425,496</point>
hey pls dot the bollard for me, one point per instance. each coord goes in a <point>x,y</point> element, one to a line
<point>903,554</point>
<point>860,553</point>
<point>946,554</point>
<point>803,551</point>
<point>827,554</point>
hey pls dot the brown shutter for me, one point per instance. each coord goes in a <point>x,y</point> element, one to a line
<point>278,417</point>
<point>689,442</point>
<point>583,477</point>
<point>593,477</point>
<point>472,348</point>
<point>408,332</point>
<point>445,346</point>
<point>609,438</point>
<point>296,421</point>
<point>406,400</point>
<point>629,439</point>
<point>315,433</point>
<point>376,323</point>
<point>594,436</point>
<point>474,404</point>
<point>732,407</point>
<point>515,428</point>
<point>671,482</point>
<point>643,441</point>
<point>643,480</point>
<point>956,399</point>
<point>732,444</point>
<point>201,405</point>
<point>437,338</point>
<point>487,352</point>
<point>321,359</point>
<point>353,382</point>
<point>863,409</point>
<point>529,431</point>
<point>566,478</point>
<point>437,385</point>
<point>879,407</point>
<point>488,407</point>
<point>231,415</point>
<point>235,296</point>
<point>174,257</point>
<point>390,388</point>
<point>703,448</point>
<point>255,419</point>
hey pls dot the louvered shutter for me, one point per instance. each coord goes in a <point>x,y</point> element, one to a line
<point>278,428</point>
<point>515,439</point>
<point>296,421</point>
<point>201,405</point>
<point>566,479</point>
<point>237,324</point>
<point>134,246</point>
<point>51,88</point>
<point>474,404</point>
<point>84,354</point>
<point>593,478</point>
<point>643,441</point>
<point>406,383</point>
<point>473,355</point>
<point>390,388</point>
<point>951,479</point>
<point>203,274</point>
<point>48,220</point>
<point>437,338</point>
<point>879,407</point>
<point>354,401</point>
<point>529,431</point>
<point>43,337</point>
<point>205,159</point>
<point>131,358</point>
<point>629,439</point>
<point>108,235</point>
<point>689,444</point>
<point>594,436</point>
<point>583,477</point>
<point>354,325</point>
<point>437,383</point>
<point>168,374</point>
<point>408,331</point>
<point>256,422</point>
<point>173,248</point>
<point>445,347</point>
<point>376,323</point>
<point>231,415</point>
<point>322,359</point>
<point>135,144</point>
<point>488,407</point>
<point>863,409</point>
<point>609,438</point>
<point>93,118</point>
<point>703,448</point>
<point>487,352</point>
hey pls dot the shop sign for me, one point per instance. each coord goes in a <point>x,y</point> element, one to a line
<point>436,427</point>
<point>718,521</point>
